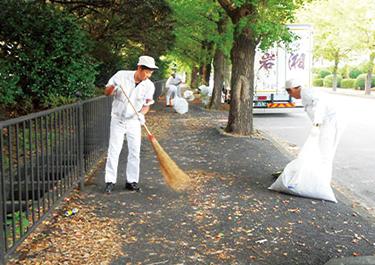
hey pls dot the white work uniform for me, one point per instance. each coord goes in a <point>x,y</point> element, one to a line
<point>172,89</point>
<point>331,124</point>
<point>124,121</point>
<point>176,82</point>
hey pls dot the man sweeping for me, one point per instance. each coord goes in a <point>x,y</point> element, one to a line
<point>125,121</point>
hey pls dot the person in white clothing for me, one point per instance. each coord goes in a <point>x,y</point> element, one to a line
<point>176,81</point>
<point>328,124</point>
<point>124,120</point>
<point>172,91</point>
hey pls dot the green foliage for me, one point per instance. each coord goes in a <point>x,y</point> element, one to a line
<point>328,80</point>
<point>17,219</point>
<point>316,76</point>
<point>111,62</point>
<point>43,51</point>
<point>360,81</point>
<point>348,83</point>
<point>200,33</point>
<point>329,24</point>
<point>343,71</point>
<point>123,30</point>
<point>54,101</point>
<point>318,82</point>
<point>355,72</point>
<point>324,72</point>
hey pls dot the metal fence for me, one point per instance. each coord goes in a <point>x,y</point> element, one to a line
<point>44,156</point>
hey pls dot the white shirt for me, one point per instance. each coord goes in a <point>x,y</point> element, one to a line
<point>316,106</point>
<point>140,95</point>
<point>173,81</point>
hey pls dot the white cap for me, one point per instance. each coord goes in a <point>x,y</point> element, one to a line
<point>292,83</point>
<point>173,73</point>
<point>147,61</point>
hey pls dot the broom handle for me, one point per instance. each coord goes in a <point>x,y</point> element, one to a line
<point>136,112</point>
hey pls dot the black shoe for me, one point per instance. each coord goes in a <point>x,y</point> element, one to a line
<point>133,186</point>
<point>109,188</point>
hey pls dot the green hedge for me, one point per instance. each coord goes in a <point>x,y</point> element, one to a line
<point>324,72</point>
<point>316,76</point>
<point>354,73</point>
<point>361,80</point>
<point>328,81</point>
<point>318,82</point>
<point>348,83</point>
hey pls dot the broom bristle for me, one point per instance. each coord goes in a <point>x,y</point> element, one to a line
<point>174,177</point>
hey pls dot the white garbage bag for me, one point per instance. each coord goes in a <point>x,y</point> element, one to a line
<point>188,95</point>
<point>206,93</point>
<point>306,176</point>
<point>180,105</point>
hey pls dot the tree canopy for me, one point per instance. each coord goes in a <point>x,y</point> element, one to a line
<point>123,30</point>
<point>197,34</point>
<point>52,49</point>
<point>256,22</point>
<point>332,40</point>
<point>43,54</point>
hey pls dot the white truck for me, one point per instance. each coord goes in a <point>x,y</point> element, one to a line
<point>276,65</point>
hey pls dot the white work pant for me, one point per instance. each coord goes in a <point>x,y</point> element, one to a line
<point>179,91</point>
<point>172,89</point>
<point>330,133</point>
<point>132,129</point>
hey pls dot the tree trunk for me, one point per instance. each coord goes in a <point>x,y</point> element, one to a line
<point>207,73</point>
<point>369,75</point>
<point>205,67</point>
<point>194,77</point>
<point>207,63</point>
<point>219,60</point>
<point>227,72</point>
<point>240,119</point>
<point>334,85</point>
<point>368,82</point>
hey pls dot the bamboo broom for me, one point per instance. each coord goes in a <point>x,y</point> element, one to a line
<point>174,177</point>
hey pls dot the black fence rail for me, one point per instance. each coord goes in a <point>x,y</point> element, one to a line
<point>44,156</point>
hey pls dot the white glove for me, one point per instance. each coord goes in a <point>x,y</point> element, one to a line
<point>141,118</point>
<point>315,131</point>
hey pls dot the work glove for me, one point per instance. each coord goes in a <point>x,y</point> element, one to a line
<point>315,131</point>
<point>141,118</point>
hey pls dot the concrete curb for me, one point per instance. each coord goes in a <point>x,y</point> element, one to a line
<point>366,260</point>
<point>347,92</point>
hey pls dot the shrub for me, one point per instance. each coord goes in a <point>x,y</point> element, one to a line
<point>324,72</point>
<point>360,81</point>
<point>343,71</point>
<point>328,81</point>
<point>348,83</point>
<point>40,57</point>
<point>354,73</point>
<point>316,76</point>
<point>318,82</point>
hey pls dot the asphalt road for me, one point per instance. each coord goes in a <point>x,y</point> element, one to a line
<point>354,167</point>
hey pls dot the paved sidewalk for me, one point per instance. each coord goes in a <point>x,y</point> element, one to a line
<point>348,92</point>
<point>230,217</point>
<point>227,217</point>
